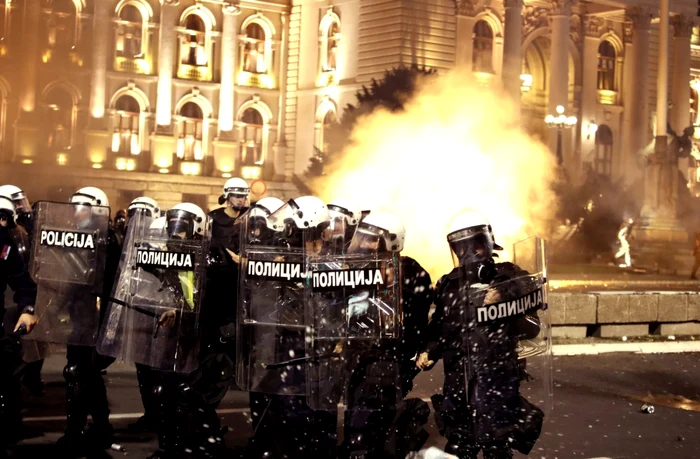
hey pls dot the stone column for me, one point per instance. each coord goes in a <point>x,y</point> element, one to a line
<point>98,78</point>
<point>512,51</point>
<point>163,142</point>
<point>229,46</point>
<point>96,135</point>
<point>680,114</point>
<point>465,35</point>
<point>661,185</point>
<point>26,127</point>
<point>636,90</point>
<point>589,89</point>
<point>166,60</point>
<point>560,15</point>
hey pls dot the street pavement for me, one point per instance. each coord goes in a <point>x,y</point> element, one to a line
<point>596,410</point>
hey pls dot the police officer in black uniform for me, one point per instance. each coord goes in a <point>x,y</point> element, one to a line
<point>22,236</point>
<point>85,391</point>
<point>481,408</point>
<point>14,274</point>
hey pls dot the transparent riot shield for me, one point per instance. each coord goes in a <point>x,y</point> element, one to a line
<point>68,260</point>
<point>271,332</point>
<point>161,290</point>
<point>505,351</point>
<point>110,340</point>
<point>353,309</point>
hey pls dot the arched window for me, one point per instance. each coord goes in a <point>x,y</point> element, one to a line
<point>189,146</point>
<point>606,66</point>
<point>125,138</point>
<point>255,51</point>
<point>252,137</point>
<point>63,25</point>
<point>483,47</point>
<point>330,38</point>
<point>693,107</point>
<point>603,150</point>
<point>328,122</point>
<point>193,42</point>
<point>60,120</point>
<point>130,29</point>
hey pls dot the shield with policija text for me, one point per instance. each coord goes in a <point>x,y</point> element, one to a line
<point>506,381</point>
<point>271,328</point>
<point>353,309</point>
<point>68,261</point>
<point>154,311</point>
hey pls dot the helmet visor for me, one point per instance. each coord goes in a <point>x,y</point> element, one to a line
<point>471,245</point>
<point>21,202</point>
<point>367,239</point>
<point>181,224</point>
<point>284,215</point>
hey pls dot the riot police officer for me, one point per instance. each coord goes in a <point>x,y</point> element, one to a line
<point>217,318</point>
<point>14,274</point>
<point>23,210</point>
<point>85,391</point>
<point>395,428</point>
<point>345,215</point>
<point>186,421</point>
<point>481,409</point>
<point>277,389</point>
<point>22,236</point>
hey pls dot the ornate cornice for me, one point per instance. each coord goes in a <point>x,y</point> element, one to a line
<point>466,7</point>
<point>682,25</point>
<point>592,25</point>
<point>533,18</point>
<point>561,7</point>
<point>640,17</point>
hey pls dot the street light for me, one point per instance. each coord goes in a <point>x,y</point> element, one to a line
<point>560,122</point>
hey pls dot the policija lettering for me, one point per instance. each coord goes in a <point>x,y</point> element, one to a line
<point>352,278</point>
<point>159,259</point>
<point>71,239</point>
<point>517,307</point>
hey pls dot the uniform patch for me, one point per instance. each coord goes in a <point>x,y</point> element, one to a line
<point>5,252</point>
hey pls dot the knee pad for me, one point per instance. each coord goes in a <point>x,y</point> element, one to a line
<point>71,373</point>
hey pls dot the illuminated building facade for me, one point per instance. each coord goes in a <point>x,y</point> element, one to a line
<point>169,97</point>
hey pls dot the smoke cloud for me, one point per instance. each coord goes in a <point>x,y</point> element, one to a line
<point>455,147</point>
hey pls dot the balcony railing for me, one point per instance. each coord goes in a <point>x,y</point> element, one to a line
<point>259,80</point>
<point>607,97</point>
<point>194,72</point>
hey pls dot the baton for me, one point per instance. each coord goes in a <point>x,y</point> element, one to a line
<point>122,303</point>
<point>272,366</point>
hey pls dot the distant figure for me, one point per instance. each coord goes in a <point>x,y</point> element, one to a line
<point>623,236</point>
<point>696,253</point>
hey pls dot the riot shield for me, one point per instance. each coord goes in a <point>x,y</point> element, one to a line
<point>157,299</point>
<point>353,310</point>
<point>271,332</point>
<point>506,348</point>
<point>68,260</point>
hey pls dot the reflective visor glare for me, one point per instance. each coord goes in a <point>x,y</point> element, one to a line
<point>21,203</point>
<point>177,226</point>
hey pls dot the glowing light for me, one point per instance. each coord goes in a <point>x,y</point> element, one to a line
<point>452,157</point>
<point>27,161</point>
<point>560,109</point>
<point>125,164</point>
<point>251,172</point>
<point>261,80</point>
<point>226,175</point>
<point>135,145</point>
<point>591,129</point>
<point>115,142</point>
<point>61,159</point>
<point>258,187</point>
<point>526,84</point>
<point>46,57</point>
<point>163,170</point>
<point>96,165</point>
<point>190,168</point>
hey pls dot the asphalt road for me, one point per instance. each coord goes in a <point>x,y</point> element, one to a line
<point>596,409</point>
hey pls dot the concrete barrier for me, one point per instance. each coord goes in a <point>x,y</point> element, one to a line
<point>616,314</point>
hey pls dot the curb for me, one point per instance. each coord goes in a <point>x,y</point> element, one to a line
<point>667,347</point>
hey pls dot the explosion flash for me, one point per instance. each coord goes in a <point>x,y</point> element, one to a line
<point>455,147</point>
